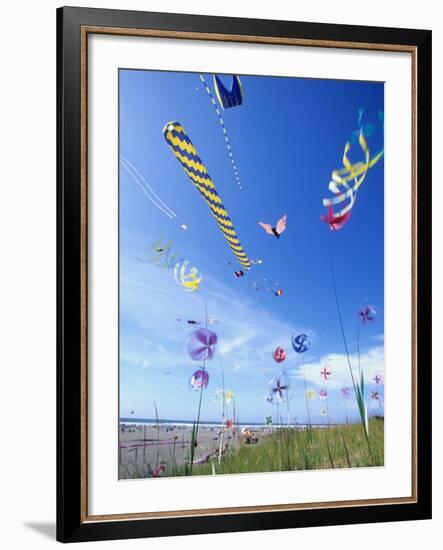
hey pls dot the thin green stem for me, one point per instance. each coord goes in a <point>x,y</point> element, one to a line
<point>306,400</point>
<point>334,284</point>
<point>287,397</point>
<point>194,442</point>
<point>158,435</point>
<point>223,413</point>
<point>327,413</point>
<point>358,350</point>
<point>337,303</point>
<point>346,411</point>
<point>346,451</point>
<point>329,452</point>
<point>174,463</point>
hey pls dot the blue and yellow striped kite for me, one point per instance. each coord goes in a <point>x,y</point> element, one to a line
<point>183,148</point>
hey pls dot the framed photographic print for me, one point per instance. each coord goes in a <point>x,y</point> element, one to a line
<point>244,274</point>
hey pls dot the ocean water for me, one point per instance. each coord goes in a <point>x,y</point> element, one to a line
<point>174,422</point>
<point>208,423</point>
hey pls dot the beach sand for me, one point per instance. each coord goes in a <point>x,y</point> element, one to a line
<point>142,448</point>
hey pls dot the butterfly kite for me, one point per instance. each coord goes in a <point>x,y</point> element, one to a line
<point>278,229</point>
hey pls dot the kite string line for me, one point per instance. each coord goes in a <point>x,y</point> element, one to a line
<point>225,133</point>
<point>224,406</point>
<point>287,396</point>
<point>195,441</point>
<point>146,188</point>
<point>306,393</point>
<point>337,303</point>
<point>134,177</point>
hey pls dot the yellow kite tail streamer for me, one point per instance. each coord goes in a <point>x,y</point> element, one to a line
<point>349,172</point>
<point>189,279</point>
<point>187,155</point>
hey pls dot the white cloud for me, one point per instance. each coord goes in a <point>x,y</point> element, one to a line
<point>235,343</point>
<point>152,337</point>
<point>151,303</point>
<point>371,361</point>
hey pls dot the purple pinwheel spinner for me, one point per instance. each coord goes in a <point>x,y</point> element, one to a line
<point>202,344</point>
<point>199,379</point>
<point>345,392</point>
<point>279,389</point>
<point>368,313</point>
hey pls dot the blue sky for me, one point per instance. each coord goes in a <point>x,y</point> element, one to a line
<point>286,138</point>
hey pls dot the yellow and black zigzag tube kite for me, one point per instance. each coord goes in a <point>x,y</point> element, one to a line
<point>183,148</point>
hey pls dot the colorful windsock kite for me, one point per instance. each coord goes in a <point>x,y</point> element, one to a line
<point>183,148</point>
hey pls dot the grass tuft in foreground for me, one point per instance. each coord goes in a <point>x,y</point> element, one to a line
<point>286,449</point>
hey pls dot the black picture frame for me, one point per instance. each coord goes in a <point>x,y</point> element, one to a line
<point>72,526</point>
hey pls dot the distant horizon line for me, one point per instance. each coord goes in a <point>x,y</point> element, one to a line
<point>135,420</point>
<point>178,421</point>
